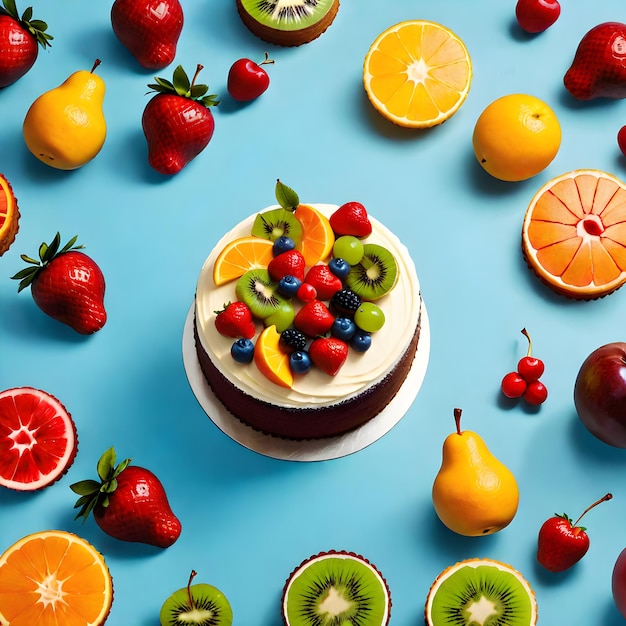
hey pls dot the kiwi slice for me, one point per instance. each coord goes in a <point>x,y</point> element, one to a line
<point>375,275</point>
<point>276,223</point>
<point>257,289</point>
<point>336,589</point>
<point>480,591</point>
<point>200,604</point>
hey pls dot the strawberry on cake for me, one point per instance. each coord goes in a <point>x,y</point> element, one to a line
<point>307,318</point>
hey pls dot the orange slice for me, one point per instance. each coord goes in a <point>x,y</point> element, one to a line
<point>241,255</point>
<point>38,439</point>
<point>417,74</point>
<point>317,235</point>
<point>9,215</point>
<point>574,234</point>
<point>272,362</point>
<point>54,578</point>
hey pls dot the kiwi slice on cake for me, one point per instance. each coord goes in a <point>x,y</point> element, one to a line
<point>200,604</point>
<point>287,22</point>
<point>375,275</point>
<point>257,289</point>
<point>336,588</point>
<point>276,223</point>
<point>480,591</point>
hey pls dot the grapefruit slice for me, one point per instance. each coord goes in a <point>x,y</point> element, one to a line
<point>9,215</point>
<point>38,440</point>
<point>54,578</point>
<point>317,235</point>
<point>417,73</point>
<point>574,234</point>
<point>241,255</point>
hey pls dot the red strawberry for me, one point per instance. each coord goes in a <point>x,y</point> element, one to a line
<point>562,543</point>
<point>314,319</point>
<point>247,80</point>
<point>289,263</point>
<point>20,38</point>
<point>599,65</point>
<point>235,320</point>
<point>128,503</point>
<point>67,285</point>
<point>325,282</point>
<point>177,122</point>
<point>329,354</point>
<point>351,219</point>
<point>149,29</point>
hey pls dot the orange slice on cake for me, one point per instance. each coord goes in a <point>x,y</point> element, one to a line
<point>417,73</point>
<point>272,362</point>
<point>54,578</point>
<point>9,215</point>
<point>317,235</point>
<point>241,255</point>
<point>574,234</point>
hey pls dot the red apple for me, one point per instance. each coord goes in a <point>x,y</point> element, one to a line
<point>535,16</point>
<point>600,393</point>
<point>618,583</point>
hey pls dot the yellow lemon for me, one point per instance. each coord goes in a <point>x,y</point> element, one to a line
<point>65,127</point>
<point>516,137</point>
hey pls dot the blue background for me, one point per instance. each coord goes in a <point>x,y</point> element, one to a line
<point>248,520</point>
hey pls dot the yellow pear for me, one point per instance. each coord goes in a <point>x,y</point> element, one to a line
<point>65,127</point>
<point>473,493</point>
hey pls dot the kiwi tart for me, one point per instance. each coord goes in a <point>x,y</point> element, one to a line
<point>287,22</point>
<point>480,591</point>
<point>336,587</point>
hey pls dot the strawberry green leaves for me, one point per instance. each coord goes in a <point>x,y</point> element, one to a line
<point>37,28</point>
<point>180,85</point>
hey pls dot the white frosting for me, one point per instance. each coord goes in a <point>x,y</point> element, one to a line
<point>314,389</point>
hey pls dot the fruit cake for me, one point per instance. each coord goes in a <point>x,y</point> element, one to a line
<point>307,318</point>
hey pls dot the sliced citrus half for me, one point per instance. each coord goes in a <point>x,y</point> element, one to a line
<point>272,362</point>
<point>574,234</point>
<point>417,73</point>
<point>54,578</point>
<point>317,235</point>
<point>38,439</point>
<point>481,591</point>
<point>9,215</point>
<point>241,255</point>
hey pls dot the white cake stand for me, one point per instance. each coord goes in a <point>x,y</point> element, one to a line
<point>314,449</point>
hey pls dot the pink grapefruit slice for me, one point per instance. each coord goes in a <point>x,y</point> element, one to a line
<point>38,440</point>
<point>574,234</point>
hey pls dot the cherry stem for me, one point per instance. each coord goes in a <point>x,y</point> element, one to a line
<point>604,498</point>
<point>95,65</point>
<point>530,341</point>
<point>267,59</point>
<point>199,68</point>
<point>457,419</point>
<point>193,574</point>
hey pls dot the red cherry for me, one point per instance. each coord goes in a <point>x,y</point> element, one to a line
<point>247,80</point>
<point>621,139</point>
<point>536,392</point>
<point>535,16</point>
<point>530,367</point>
<point>513,385</point>
<point>306,292</point>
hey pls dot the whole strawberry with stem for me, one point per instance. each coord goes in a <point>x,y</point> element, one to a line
<point>561,542</point>
<point>66,284</point>
<point>128,502</point>
<point>177,122</point>
<point>20,38</point>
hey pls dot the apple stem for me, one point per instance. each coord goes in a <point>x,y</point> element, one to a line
<point>95,65</point>
<point>199,68</point>
<point>266,60</point>
<point>604,498</point>
<point>530,341</point>
<point>457,419</point>
<point>193,574</point>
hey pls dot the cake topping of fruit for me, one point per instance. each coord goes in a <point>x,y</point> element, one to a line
<point>235,320</point>
<point>66,284</point>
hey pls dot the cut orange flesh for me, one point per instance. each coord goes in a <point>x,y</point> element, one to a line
<point>574,234</point>
<point>318,236</point>
<point>54,578</point>
<point>241,255</point>
<point>37,439</point>
<point>272,362</point>
<point>9,215</point>
<point>417,73</point>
